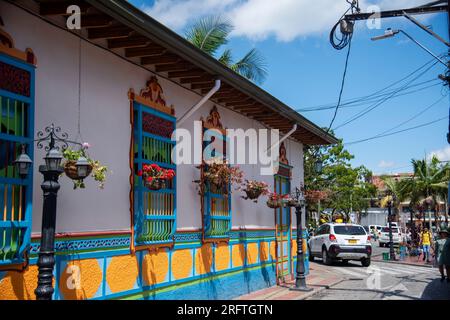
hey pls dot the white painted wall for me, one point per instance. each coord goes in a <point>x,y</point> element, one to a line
<point>105,124</point>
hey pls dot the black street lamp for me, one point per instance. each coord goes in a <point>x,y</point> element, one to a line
<point>300,278</point>
<point>50,186</point>
<point>390,200</point>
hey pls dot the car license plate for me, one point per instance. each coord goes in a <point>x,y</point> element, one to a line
<point>352,241</point>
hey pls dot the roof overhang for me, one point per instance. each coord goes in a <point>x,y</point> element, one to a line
<point>120,27</point>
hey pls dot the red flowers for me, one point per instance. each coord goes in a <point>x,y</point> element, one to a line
<point>153,171</point>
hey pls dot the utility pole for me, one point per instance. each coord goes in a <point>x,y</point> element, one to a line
<point>429,8</point>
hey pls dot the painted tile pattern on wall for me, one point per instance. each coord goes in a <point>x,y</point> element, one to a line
<point>95,269</point>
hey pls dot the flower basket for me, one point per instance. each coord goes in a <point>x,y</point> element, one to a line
<point>274,204</point>
<point>254,189</point>
<point>70,169</point>
<point>154,177</point>
<point>155,184</point>
<point>253,194</point>
<point>291,203</point>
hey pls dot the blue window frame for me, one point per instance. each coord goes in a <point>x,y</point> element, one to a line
<point>154,211</point>
<point>216,201</point>
<point>16,129</point>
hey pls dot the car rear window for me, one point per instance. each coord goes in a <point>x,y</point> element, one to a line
<point>386,229</point>
<point>349,230</point>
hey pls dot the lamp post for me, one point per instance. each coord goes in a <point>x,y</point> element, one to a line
<point>300,279</point>
<point>51,171</point>
<point>391,198</point>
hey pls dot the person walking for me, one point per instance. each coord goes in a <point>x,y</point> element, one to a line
<point>426,239</point>
<point>442,254</point>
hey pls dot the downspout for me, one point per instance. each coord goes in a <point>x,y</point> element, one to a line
<point>287,135</point>
<point>201,102</point>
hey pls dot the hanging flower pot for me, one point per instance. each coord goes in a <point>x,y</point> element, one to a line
<point>92,166</point>
<point>275,201</point>
<point>254,189</point>
<point>274,204</point>
<point>291,202</point>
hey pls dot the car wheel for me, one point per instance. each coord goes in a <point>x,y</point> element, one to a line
<point>311,257</point>
<point>345,262</point>
<point>365,262</point>
<point>326,258</point>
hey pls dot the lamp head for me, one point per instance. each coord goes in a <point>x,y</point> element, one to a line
<point>389,33</point>
<point>53,159</point>
<point>23,164</point>
<point>82,167</point>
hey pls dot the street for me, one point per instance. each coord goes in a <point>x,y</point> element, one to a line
<point>384,281</point>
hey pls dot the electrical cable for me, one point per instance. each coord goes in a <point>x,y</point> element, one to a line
<point>396,132</point>
<point>415,116</point>
<point>378,104</point>
<point>344,76</point>
<point>362,102</point>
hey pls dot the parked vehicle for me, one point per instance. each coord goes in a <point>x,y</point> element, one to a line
<point>340,241</point>
<point>375,230</point>
<point>384,236</point>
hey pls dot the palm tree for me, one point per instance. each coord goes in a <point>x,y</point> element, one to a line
<point>429,183</point>
<point>397,194</point>
<point>211,32</point>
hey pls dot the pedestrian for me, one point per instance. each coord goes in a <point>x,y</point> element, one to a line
<point>442,254</point>
<point>426,241</point>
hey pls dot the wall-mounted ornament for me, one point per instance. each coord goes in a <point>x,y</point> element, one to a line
<point>152,95</point>
<point>213,120</point>
<point>283,154</point>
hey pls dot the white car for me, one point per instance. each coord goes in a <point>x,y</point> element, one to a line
<point>384,236</point>
<point>340,241</point>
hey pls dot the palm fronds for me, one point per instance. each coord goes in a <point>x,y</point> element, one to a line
<point>209,33</point>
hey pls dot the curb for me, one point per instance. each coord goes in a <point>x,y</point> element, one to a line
<point>405,263</point>
<point>319,290</point>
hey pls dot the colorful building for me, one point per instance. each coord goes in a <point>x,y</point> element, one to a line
<point>122,82</point>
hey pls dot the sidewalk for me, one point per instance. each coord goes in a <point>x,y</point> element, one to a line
<point>408,260</point>
<point>318,279</point>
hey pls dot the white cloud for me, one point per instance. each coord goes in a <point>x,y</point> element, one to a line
<point>386,164</point>
<point>442,154</point>
<point>286,20</point>
<point>176,14</point>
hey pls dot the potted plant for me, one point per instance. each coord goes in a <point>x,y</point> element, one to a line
<point>155,177</point>
<point>254,189</point>
<point>71,157</point>
<point>275,201</point>
<point>289,201</point>
<point>219,174</point>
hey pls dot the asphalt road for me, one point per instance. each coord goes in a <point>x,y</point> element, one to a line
<point>385,281</point>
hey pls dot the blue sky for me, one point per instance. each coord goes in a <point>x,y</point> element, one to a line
<point>305,70</point>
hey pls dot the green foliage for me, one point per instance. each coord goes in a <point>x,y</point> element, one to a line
<point>98,171</point>
<point>348,187</point>
<point>430,180</point>
<point>211,32</point>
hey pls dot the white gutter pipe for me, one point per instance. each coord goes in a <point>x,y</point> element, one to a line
<point>287,135</point>
<point>201,102</point>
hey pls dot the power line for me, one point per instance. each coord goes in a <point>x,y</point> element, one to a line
<point>378,104</point>
<point>415,116</point>
<point>378,91</point>
<point>396,132</point>
<point>342,84</point>
<point>435,82</point>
